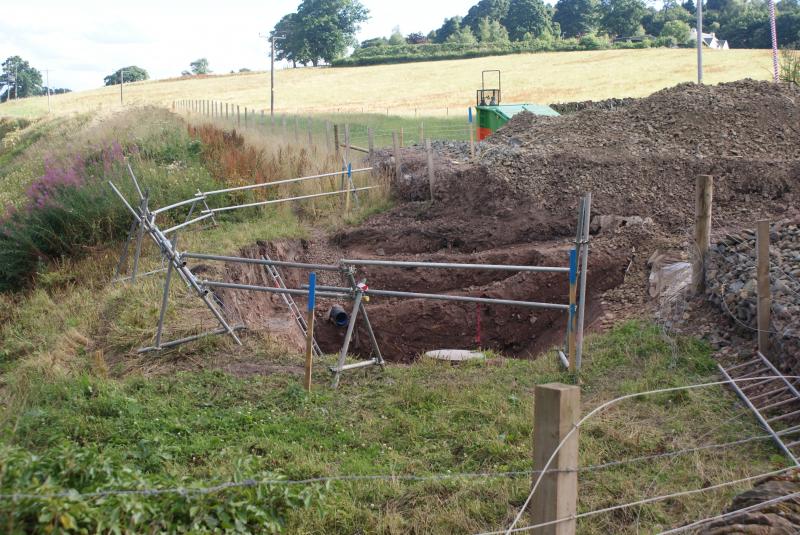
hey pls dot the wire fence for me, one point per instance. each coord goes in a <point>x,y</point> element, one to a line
<point>487,475</point>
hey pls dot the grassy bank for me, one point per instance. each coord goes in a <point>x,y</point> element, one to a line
<point>429,89</point>
<point>82,412</point>
<point>204,427</point>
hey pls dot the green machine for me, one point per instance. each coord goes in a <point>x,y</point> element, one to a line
<point>492,114</point>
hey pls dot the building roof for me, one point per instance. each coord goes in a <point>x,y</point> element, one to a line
<point>508,111</point>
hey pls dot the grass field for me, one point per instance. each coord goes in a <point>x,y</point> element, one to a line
<point>433,88</point>
<point>81,412</point>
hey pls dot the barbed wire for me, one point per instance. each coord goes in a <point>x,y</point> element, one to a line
<point>614,401</point>
<point>740,241</point>
<point>643,501</point>
<point>414,477</point>
<point>375,477</point>
<point>754,507</point>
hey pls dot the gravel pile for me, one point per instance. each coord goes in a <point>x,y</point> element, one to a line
<point>641,159</point>
<point>732,284</point>
<point>565,108</point>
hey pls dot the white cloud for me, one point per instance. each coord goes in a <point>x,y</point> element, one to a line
<point>82,41</point>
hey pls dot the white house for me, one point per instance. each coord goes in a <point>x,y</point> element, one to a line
<point>710,40</point>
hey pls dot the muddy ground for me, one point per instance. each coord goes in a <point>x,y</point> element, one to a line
<point>517,204</point>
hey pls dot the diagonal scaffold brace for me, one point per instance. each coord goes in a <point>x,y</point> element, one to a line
<point>358,307</point>
<point>146,223</point>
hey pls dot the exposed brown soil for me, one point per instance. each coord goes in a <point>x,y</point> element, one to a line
<point>517,204</point>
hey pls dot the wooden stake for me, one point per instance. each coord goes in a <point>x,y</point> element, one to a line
<point>238,116</point>
<point>556,410</point>
<point>764,289</point>
<point>401,138</point>
<point>371,141</point>
<point>245,117</point>
<point>346,144</point>
<point>431,175</point>
<point>396,143</point>
<point>704,187</point>
<point>421,133</point>
<point>471,142</point>
<point>336,140</point>
<point>328,136</point>
<point>312,287</point>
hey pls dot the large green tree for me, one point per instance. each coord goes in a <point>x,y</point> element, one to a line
<point>494,10</point>
<point>449,27</point>
<point>19,79</point>
<point>577,17</point>
<point>623,17</point>
<point>528,18</point>
<point>320,30</point>
<point>126,75</point>
<point>200,66</point>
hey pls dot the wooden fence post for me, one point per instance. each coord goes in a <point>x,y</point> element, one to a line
<point>421,133</point>
<point>371,141</point>
<point>763,286</point>
<point>328,136</point>
<point>556,410</point>
<point>471,141</point>
<point>238,116</point>
<point>347,143</point>
<point>245,116</point>
<point>336,140</point>
<point>396,143</point>
<point>704,188</point>
<point>401,138</point>
<point>431,175</point>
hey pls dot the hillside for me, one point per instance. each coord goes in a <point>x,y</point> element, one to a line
<point>430,88</point>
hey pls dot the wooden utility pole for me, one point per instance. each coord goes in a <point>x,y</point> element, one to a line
<point>556,411</point>
<point>763,286</point>
<point>272,75</point>
<point>704,189</point>
<point>49,109</point>
<point>699,42</point>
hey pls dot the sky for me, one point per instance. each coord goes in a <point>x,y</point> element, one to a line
<point>82,41</point>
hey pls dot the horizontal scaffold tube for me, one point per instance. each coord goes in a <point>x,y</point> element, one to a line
<point>446,297</point>
<point>187,223</point>
<point>281,182</point>
<point>267,289</point>
<point>276,201</point>
<point>262,262</point>
<point>444,265</point>
<point>199,198</point>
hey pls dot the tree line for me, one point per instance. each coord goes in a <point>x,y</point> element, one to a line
<point>19,80</point>
<point>744,23</point>
<point>323,31</point>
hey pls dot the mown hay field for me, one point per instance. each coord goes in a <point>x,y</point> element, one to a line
<point>429,89</point>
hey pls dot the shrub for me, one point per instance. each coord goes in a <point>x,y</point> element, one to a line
<point>71,208</point>
<point>790,66</point>
<point>260,506</point>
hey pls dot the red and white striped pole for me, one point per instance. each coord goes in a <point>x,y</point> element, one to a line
<point>774,41</point>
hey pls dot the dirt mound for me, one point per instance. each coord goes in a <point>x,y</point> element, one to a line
<point>641,159</point>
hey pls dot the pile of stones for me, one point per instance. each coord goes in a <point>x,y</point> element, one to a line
<point>731,284</point>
